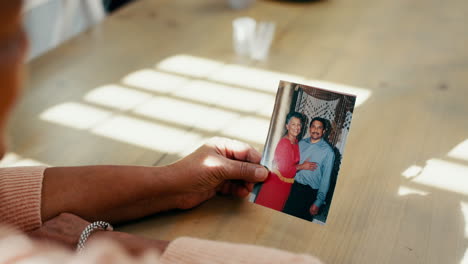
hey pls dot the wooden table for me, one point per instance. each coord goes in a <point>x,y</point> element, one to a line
<point>402,190</point>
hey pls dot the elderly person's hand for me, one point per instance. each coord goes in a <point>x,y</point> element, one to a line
<point>221,165</point>
<point>65,229</point>
<point>121,193</point>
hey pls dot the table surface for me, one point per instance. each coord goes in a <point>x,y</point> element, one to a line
<point>130,90</point>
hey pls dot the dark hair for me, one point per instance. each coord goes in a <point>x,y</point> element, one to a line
<point>296,115</point>
<point>321,120</point>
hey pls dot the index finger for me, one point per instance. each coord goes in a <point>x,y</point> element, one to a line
<point>236,150</point>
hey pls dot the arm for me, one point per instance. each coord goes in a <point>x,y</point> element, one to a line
<point>325,182</point>
<point>286,164</point>
<point>119,193</point>
<point>283,159</point>
<point>93,191</point>
<point>307,165</point>
<point>99,192</point>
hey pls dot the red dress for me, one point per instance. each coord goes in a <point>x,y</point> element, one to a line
<point>275,190</point>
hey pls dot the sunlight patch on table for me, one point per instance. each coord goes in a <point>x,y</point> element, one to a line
<point>225,96</point>
<point>444,175</point>
<point>151,80</point>
<point>465,258</point>
<point>146,134</point>
<point>464,209</point>
<point>189,65</point>
<point>193,146</point>
<point>248,128</point>
<point>247,77</point>
<point>14,160</point>
<point>412,171</point>
<point>460,151</point>
<point>9,158</point>
<point>75,115</point>
<point>186,114</point>
<point>361,94</point>
<point>116,96</point>
<point>27,162</point>
<point>267,109</point>
<point>254,78</point>
<point>404,190</point>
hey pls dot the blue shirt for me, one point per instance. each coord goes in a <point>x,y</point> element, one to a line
<point>322,154</point>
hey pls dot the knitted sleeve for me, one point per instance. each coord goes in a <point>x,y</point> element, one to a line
<point>20,197</point>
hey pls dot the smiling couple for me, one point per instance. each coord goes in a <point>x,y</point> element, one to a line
<point>300,178</point>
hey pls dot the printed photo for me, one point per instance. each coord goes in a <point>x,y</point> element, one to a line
<point>304,150</point>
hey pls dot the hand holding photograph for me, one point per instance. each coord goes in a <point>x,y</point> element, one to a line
<point>304,149</point>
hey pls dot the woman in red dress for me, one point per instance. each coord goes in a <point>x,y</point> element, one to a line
<point>275,190</point>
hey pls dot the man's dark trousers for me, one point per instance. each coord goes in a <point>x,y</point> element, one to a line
<point>300,200</point>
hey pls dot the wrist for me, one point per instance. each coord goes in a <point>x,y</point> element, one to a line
<point>168,192</point>
<point>172,178</point>
<point>162,180</point>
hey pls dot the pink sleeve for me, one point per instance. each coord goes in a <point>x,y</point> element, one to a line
<point>20,249</point>
<point>193,250</point>
<point>282,155</point>
<point>20,197</point>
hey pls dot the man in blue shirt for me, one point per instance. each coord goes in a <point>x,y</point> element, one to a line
<point>310,187</point>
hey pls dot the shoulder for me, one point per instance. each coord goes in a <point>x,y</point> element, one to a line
<point>283,143</point>
<point>328,148</point>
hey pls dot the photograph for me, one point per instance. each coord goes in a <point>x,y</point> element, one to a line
<point>304,150</point>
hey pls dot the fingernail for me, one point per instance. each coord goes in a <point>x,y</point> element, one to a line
<point>261,173</point>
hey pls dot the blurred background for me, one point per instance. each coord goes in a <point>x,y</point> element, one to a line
<point>51,22</point>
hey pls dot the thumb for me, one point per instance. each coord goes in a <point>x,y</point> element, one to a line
<point>308,159</point>
<point>249,172</point>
